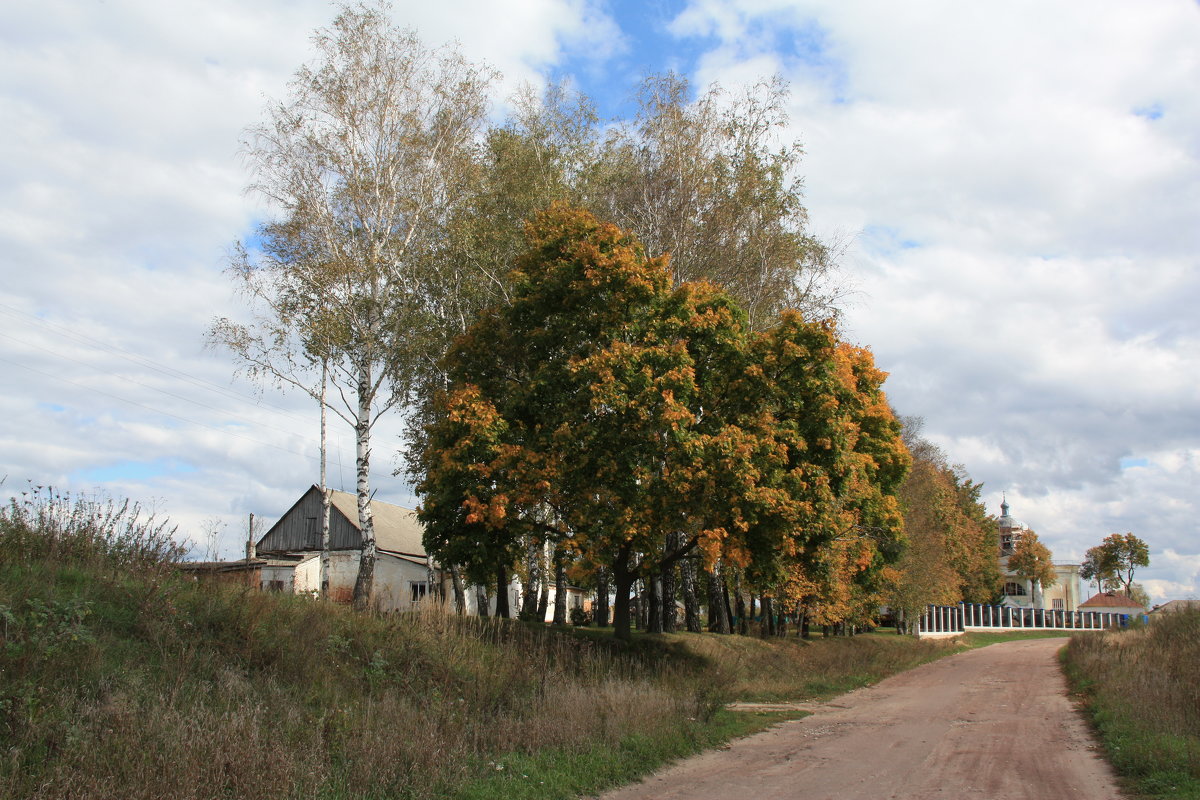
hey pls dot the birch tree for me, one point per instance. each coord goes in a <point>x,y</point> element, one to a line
<point>711,181</point>
<point>363,163</point>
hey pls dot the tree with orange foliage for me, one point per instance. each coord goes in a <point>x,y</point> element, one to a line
<point>603,409</point>
<point>951,554</point>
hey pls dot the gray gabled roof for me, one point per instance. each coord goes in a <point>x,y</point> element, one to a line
<point>397,531</point>
<point>396,528</point>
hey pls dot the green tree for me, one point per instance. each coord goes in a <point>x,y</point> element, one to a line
<point>1116,559</point>
<point>363,162</point>
<point>1032,561</point>
<point>1093,569</point>
<point>603,409</point>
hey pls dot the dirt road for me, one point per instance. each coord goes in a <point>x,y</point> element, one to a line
<point>989,723</point>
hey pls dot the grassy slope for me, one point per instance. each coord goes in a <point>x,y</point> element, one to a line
<point>151,686</point>
<point>1140,688</point>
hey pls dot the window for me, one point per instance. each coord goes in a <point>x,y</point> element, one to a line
<point>1014,589</point>
<point>1059,604</point>
<point>417,590</point>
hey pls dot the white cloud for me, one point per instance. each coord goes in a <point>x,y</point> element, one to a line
<point>1025,179</point>
<point>120,192</point>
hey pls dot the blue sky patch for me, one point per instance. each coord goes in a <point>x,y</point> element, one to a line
<point>885,239</point>
<point>133,471</point>
<point>57,408</point>
<point>1129,462</point>
<point>1152,112</point>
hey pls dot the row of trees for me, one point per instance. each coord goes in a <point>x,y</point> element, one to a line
<point>628,423</point>
<point>400,213</point>
<point>400,216</point>
<point>952,547</point>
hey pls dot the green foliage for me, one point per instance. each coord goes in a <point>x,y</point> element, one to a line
<point>1113,562</point>
<point>604,410</point>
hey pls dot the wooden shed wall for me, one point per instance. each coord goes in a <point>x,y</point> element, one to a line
<point>300,529</point>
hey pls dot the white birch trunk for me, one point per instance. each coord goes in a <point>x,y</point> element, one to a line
<point>325,495</point>
<point>362,435</point>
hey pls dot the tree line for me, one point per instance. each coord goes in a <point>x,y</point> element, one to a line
<point>615,341</point>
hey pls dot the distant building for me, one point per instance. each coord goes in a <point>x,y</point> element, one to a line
<point>1114,603</point>
<point>1063,595</point>
<point>1175,606</point>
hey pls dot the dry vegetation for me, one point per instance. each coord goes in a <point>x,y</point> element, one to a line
<point>1141,689</point>
<point>119,678</point>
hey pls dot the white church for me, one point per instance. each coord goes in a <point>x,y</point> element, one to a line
<point>1064,595</point>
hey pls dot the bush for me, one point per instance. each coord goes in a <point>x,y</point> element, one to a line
<point>580,617</point>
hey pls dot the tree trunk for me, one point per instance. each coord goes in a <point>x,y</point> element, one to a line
<point>533,573</point>
<point>481,600</point>
<point>768,612</point>
<point>544,595</point>
<point>560,587</point>
<point>670,619</point>
<point>502,611</point>
<point>600,610</point>
<point>743,622</point>
<point>718,615</point>
<point>729,621</point>
<point>365,582</point>
<point>326,497</point>
<point>654,617</point>
<point>622,582</point>
<point>460,597</point>
<point>641,620</point>
<point>691,601</point>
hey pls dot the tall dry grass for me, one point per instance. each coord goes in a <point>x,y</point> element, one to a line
<point>1141,687</point>
<point>143,686</point>
<point>45,524</point>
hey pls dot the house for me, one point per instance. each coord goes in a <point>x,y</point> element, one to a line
<point>1174,607</point>
<point>1114,603</point>
<point>577,597</point>
<point>292,551</point>
<point>1062,595</point>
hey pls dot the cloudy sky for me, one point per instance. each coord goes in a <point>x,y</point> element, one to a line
<point>1018,184</point>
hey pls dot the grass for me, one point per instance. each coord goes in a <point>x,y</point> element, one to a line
<point>1139,686</point>
<point>120,678</point>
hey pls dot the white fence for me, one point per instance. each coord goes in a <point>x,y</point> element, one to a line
<point>947,620</point>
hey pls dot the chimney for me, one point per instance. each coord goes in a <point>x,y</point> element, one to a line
<point>250,549</point>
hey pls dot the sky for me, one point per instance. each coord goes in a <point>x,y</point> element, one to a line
<point>1016,186</point>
